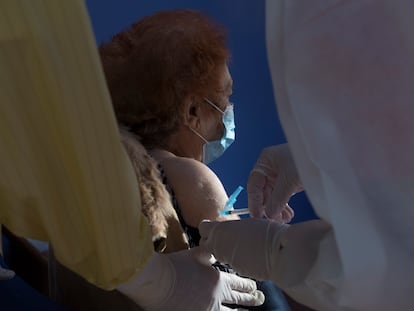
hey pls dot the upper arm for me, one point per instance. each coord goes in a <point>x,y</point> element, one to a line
<point>199,192</point>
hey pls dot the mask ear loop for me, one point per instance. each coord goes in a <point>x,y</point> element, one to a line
<point>205,143</point>
<point>198,134</point>
<point>215,106</point>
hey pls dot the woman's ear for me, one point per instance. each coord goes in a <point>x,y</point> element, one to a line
<point>192,113</point>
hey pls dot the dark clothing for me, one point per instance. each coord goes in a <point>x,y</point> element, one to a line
<point>192,233</point>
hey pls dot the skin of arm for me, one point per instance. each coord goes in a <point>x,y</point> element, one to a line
<point>199,192</point>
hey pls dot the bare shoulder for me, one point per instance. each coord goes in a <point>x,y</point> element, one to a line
<point>190,169</point>
<point>199,192</point>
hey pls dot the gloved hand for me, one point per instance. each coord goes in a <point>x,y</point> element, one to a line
<point>273,180</point>
<point>249,245</point>
<point>185,280</point>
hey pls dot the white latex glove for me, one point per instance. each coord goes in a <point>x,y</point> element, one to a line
<point>288,255</point>
<point>185,280</point>
<point>249,245</point>
<point>273,180</point>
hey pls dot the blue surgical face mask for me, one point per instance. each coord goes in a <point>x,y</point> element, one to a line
<point>214,149</point>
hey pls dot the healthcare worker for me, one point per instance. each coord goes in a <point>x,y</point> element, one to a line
<point>65,177</point>
<point>342,74</point>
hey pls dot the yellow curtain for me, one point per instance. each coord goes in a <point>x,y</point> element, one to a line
<point>64,176</point>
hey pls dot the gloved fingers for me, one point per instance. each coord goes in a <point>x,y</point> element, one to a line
<point>286,215</point>
<point>242,291</point>
<point>256,193</point>
<point>6,274</point>
<point>256,298</point>
<point>239,284</point>
<point>280,197</point>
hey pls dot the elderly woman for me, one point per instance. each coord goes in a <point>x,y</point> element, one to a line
<point>170,85</point>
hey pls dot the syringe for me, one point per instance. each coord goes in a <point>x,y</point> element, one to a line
<point>232,199</point>
<point>238,211</point>
<point>228,207</point>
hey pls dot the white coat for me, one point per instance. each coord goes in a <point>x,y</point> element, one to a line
<point>343,74</point>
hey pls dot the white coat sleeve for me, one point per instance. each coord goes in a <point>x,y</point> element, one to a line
<point>342,74</point>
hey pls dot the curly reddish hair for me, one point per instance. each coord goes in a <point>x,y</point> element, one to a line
<point>156,63</point>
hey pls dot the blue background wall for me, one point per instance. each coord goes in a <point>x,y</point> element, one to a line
<point>257,123</point>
